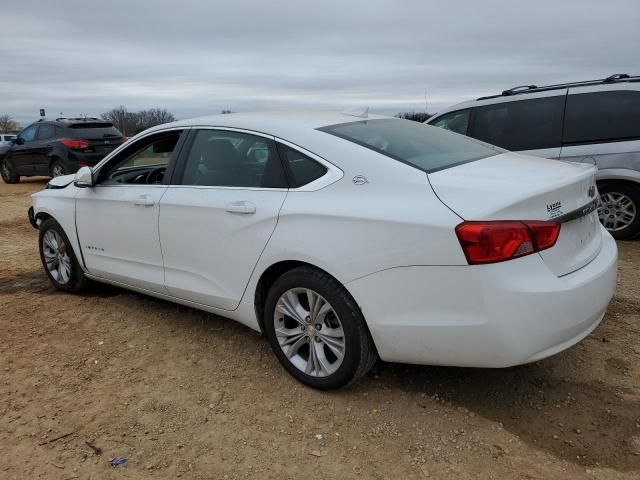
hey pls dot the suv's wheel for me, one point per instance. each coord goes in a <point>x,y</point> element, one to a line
<point>58,259</point>
<point>6,172</point>
<point>57,169</point>
<point>316,329</point>
<point>620,210</point>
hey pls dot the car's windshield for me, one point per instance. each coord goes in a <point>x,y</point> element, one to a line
<point>425,147</point>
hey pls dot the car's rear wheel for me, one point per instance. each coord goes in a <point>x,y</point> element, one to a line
<point>7,173</point>
<point>58,259</point>
<point>620,209</point>
<point>317,330</point>
<point>57,169</point>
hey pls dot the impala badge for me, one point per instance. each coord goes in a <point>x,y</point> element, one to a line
<point>592,191</point>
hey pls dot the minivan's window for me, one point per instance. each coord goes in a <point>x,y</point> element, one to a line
<point>602,116</point>
<point>419,145</point>
<point>301,168</point>
<point>220,158</point>
<point>455,121</point>
<point>522,124</point>
<point>46,131</point>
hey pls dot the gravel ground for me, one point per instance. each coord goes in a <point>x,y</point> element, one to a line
<point>182,393</point>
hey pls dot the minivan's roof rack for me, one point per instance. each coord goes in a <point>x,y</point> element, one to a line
<point>618,77</point>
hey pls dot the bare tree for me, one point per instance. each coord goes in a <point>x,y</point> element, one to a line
<point>131,123</point>
<point>415,116</point>
<point>121,119</point>
<point>225,111</point>
<point>8,124</point>
<point>152,117</point>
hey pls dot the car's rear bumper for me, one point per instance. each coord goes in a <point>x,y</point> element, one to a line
<point>484,315</point>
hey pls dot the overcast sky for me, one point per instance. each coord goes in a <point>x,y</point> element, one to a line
<point>198,57</point>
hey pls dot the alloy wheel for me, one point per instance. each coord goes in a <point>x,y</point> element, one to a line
<point>617,211</point>
<point>5,170</point>
<point>309,332</point>
<point>57,170</point>
<point>56,256</point>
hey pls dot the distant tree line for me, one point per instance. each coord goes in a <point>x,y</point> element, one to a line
<point>131,123</point>
<point>415,116</point>
<point>8,124</point>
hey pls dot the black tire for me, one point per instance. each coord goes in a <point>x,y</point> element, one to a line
<point>359,353</point>
<point>7,172</point>
<point>633,193</point>
<point>57,166</point>
<point>76,279</point>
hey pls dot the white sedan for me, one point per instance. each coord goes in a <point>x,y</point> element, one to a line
<point>342,238</point>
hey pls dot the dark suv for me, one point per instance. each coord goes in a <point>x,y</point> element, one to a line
<point>59,147</point>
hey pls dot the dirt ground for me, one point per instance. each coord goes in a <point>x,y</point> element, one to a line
<point>182,393</point>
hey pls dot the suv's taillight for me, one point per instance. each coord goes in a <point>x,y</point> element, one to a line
<point>497,241</point>
<point>75,144</point>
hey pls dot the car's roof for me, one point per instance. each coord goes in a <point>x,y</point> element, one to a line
<point>277,123</point>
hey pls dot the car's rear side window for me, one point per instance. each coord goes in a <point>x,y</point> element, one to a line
<point>520,125</point>
<point>602,116</point>
<point>422,146</point>
<point>301,169</point>
<point>46,132</point>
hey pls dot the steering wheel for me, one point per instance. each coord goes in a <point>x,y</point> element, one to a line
<point>156,175</point>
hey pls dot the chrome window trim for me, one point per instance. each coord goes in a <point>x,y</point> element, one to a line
<point>333,172</point>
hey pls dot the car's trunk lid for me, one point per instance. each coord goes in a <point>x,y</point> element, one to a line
<point>517,187</point>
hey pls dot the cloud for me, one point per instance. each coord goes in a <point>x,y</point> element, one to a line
<point>200,57</point>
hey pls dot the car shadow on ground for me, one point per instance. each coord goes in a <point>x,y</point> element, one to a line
<point>587,423</point>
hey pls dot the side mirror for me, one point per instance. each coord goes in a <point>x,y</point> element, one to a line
<point>19,141</point>
<point>84,178</point>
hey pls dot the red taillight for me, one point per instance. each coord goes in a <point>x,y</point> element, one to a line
<point>75,144</point>
<point>497,241</point>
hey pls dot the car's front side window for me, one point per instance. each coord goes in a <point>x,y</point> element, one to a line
<point>220,158</point>
<point>29,133</point>
<point>144,162</point>
<point>455,121</point>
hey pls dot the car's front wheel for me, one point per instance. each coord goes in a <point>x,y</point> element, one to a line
<point>317,330</point>
<point>7,173</point>
<point>620,209</point>
<point>58,259</point>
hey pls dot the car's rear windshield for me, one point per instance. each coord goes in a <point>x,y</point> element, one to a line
<point>95,130</point>
<point>422,146</point>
